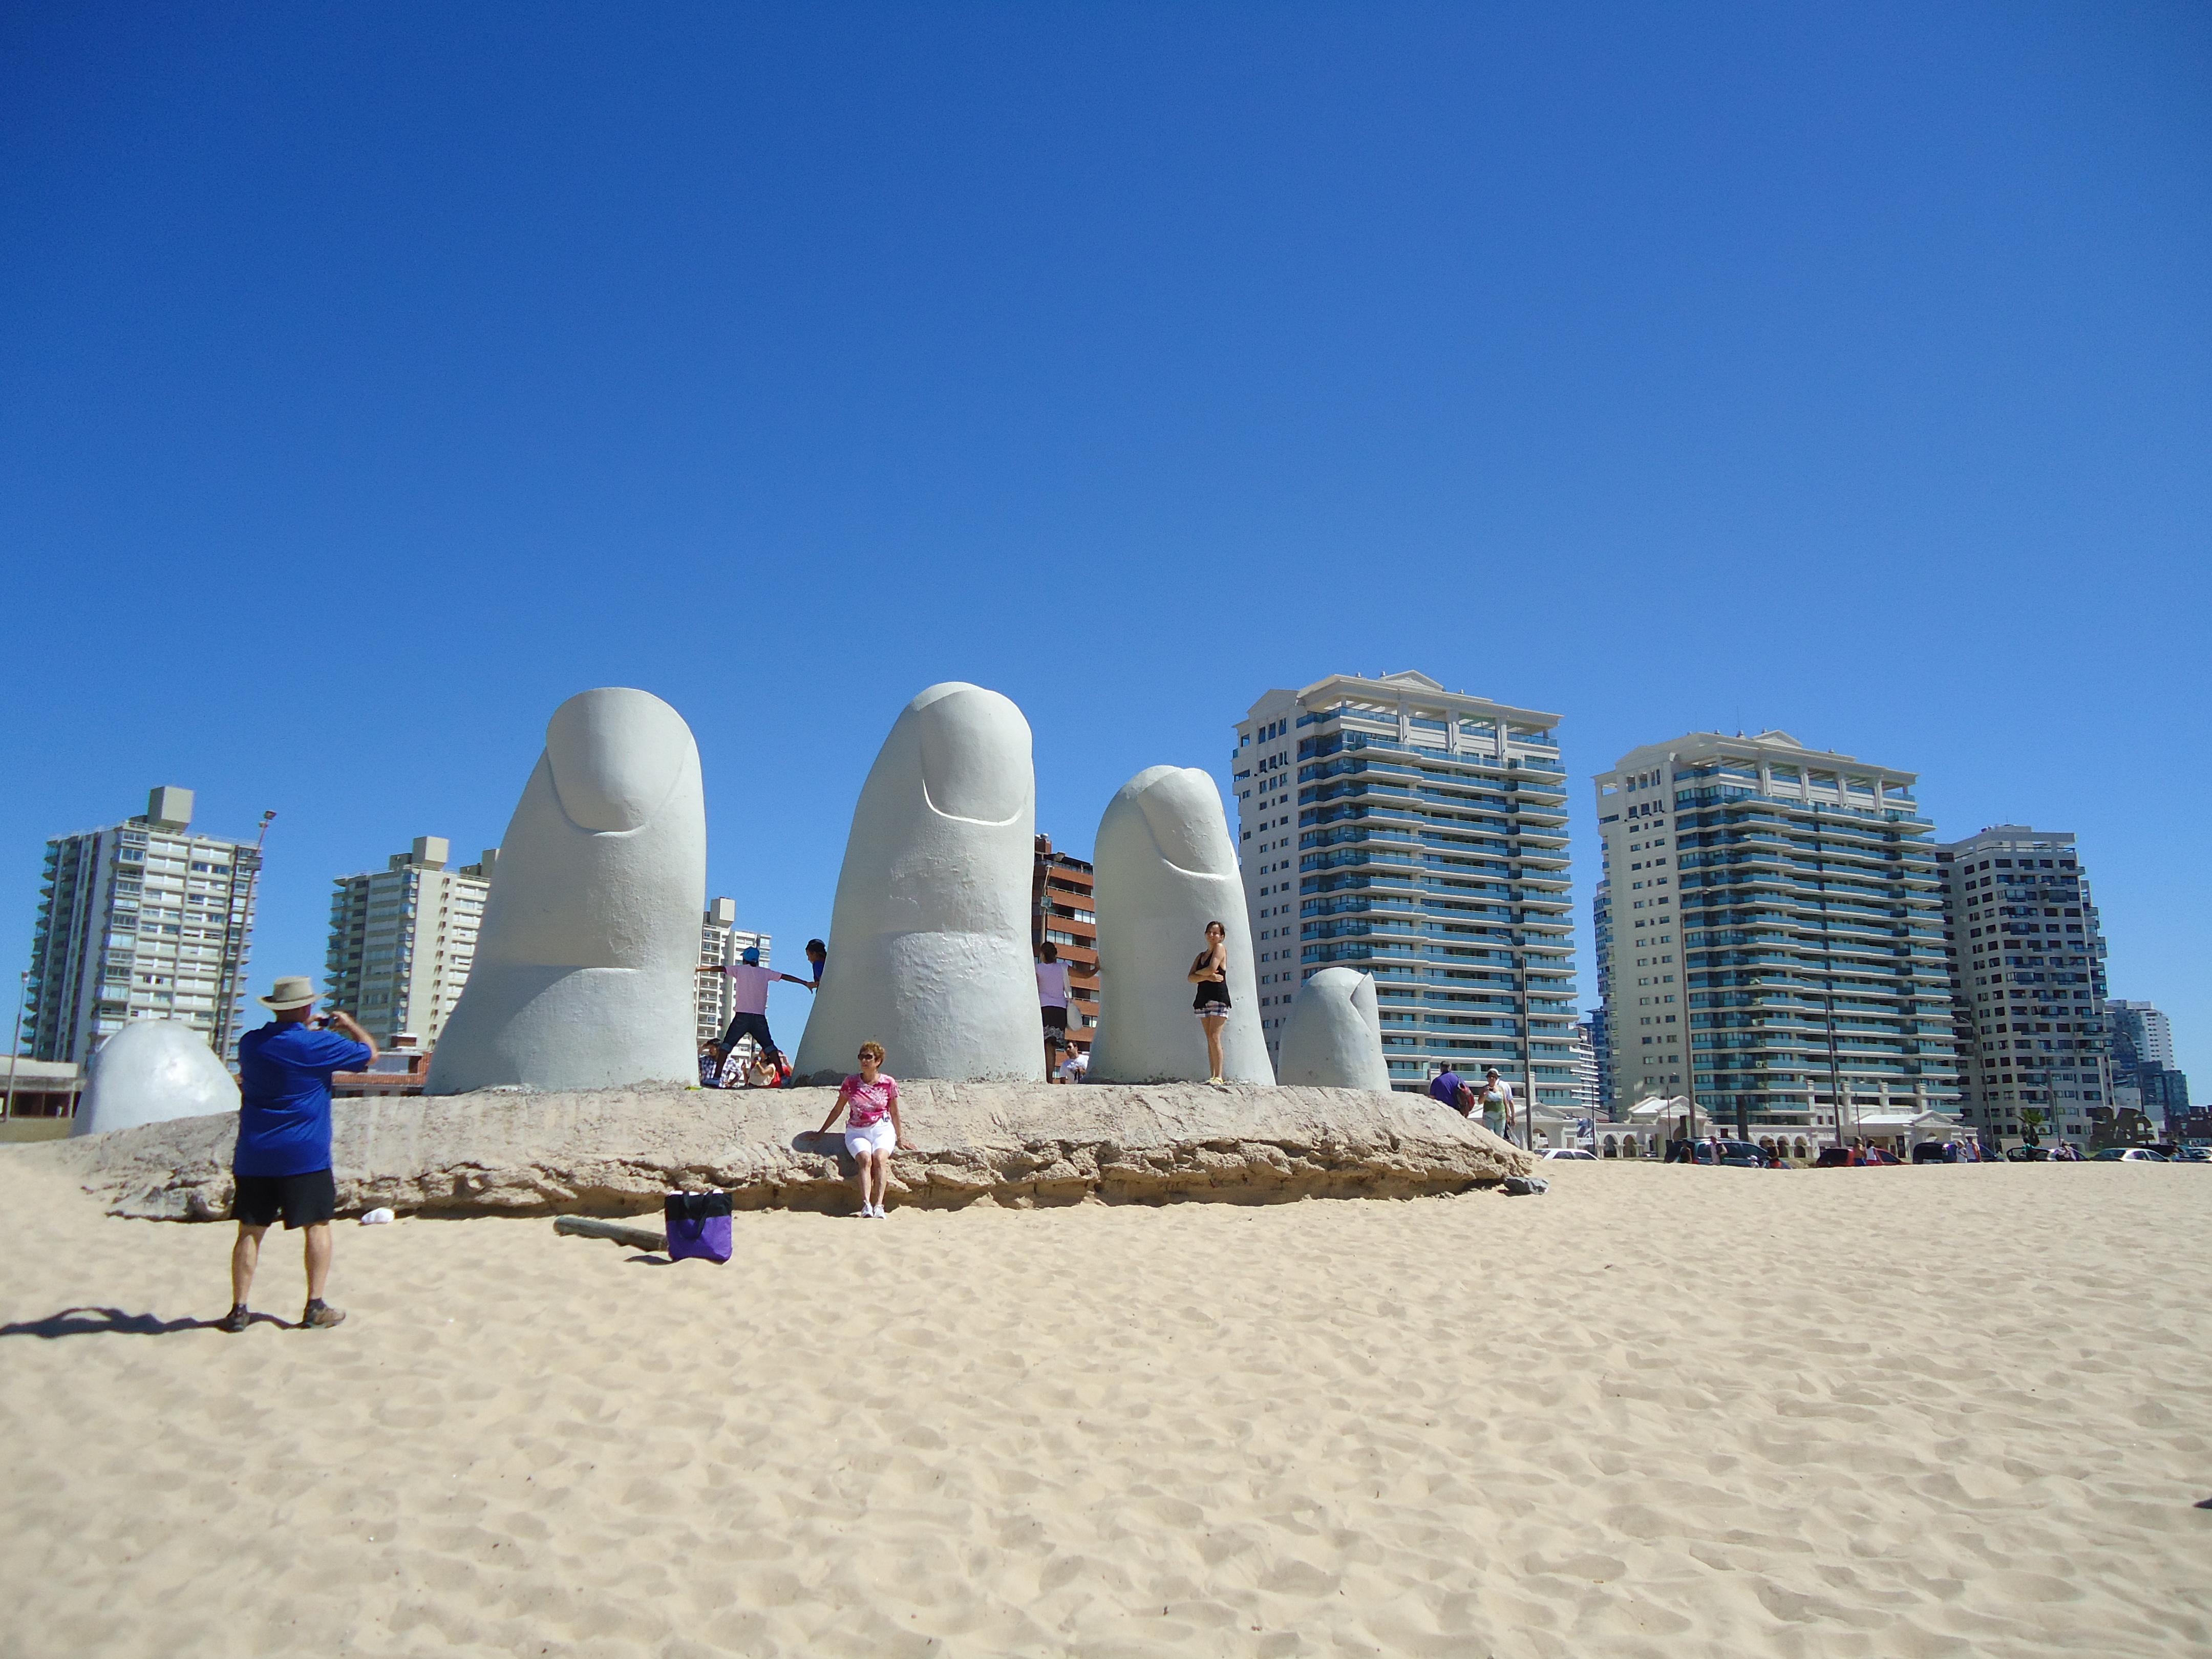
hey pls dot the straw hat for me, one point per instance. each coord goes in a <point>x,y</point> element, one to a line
<point>293,991</point>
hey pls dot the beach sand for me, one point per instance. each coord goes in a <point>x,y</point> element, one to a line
<point>1953,1410</point>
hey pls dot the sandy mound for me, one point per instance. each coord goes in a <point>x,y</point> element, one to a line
<point>617,1151</point>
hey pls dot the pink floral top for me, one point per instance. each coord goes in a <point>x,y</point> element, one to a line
<point>869,1103</point>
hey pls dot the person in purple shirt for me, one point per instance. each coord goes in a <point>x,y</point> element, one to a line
<point>282,1165</point>
<point>1452,1089</point>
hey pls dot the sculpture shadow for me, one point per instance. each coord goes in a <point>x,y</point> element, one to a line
<point>113,1322</point>
<point>824,1143</point>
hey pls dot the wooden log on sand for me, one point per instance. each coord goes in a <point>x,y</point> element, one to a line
<point>583,1226</point>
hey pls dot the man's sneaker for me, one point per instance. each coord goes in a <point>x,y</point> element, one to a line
<point>236,1320</point>
<point>320,1317</point>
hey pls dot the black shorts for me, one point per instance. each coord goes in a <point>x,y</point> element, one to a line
<point>304,1200</point>
<point>1055,1019</point>
<point>750,1025</point>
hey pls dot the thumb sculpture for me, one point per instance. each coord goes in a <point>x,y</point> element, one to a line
<point>150,1071</point>
<point>583,971</point>
<point>1333,1039</point>
<point>929,938</point>
<point>1164,867</point>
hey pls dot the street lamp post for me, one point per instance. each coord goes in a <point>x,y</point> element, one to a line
<point>16,1044</point>
<point>227,973</point>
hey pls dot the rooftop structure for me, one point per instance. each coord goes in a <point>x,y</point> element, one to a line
<point>1420,835</point>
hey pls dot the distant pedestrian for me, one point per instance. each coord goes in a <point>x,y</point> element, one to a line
<point>1209,971</point>
<point>1077,1066</point>
<point>1052,1002</point>
<point>711,1056</point>
<point>1497,1101</point>
<point>749,998</point>
<point>281,1164</point>
<point>1449,1087</point>
<point>873,1132</point>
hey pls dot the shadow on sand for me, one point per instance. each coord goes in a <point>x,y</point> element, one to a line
<point>113,1322</point>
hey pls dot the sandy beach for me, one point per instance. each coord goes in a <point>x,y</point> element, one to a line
<point>1953,1410</point>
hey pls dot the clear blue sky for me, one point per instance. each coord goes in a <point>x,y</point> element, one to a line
<point>372,378</point>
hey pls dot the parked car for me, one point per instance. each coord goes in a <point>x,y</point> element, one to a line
<point>1839,1158</point>
<point>2193,1154</point>
<point>2127,1155</point>
<point>1737,1154</point>
<point>1567,1155</point>
<point>2028,1154</point>
<point>1941,1151</point>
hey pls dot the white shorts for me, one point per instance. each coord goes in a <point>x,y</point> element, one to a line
<point>877,1136</point>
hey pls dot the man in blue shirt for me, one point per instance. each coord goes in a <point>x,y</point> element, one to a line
<point>282,1166</point>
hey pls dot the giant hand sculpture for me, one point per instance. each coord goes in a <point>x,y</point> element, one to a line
<point>150,1071</point>
<point>929,940</point>
<point>1335,1036</point>
<point>1166,866</point>
<point>583,975</point>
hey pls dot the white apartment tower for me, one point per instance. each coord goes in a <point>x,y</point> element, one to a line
<point>721,941</point>
<point>1420,835</point>
<point>402,939</point>
<point>143,920</point>
<point>1777,932</point>
<point>2150,1031</point>
<point>2027,984</point>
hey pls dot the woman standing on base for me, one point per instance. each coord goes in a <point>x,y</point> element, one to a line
<point>1209,973</point>
<point>871,1095</point>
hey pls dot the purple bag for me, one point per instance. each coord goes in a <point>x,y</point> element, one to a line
<point>698,1225</point>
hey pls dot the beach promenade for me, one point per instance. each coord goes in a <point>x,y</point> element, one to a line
<point>1953,1410</point>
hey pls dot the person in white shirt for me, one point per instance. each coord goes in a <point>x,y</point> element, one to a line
<point>1076,1066</point>
<point>749,999</point>
<point>1052,1002</point>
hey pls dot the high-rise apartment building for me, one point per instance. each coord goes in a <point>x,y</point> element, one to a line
<point>2146,1032</point>
<point>1065,911</point>
<point>1777,923</point>
<point>2142,1071</point>
<point>1600,1018</point>
<point>722,942</point>
<point>1584,1053</point>
<point>1420,835</point>
<point>1599,1025</point>
<point>402,939</point>
<point>143,920</point>
<point>2027,984</point>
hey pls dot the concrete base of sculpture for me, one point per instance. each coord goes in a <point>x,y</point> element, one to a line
<point>1334,1037</point>
<point>929,938</point>
<point>1165,866</point>
<point>150,1072</point>
<point>583,973</point>
<point>618,1152</point>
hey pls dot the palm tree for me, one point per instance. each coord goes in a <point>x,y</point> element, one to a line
<point>2031,1123</point>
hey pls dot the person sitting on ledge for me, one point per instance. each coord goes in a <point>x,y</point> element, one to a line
<point>711,1057</point>
<point>871,1096</point>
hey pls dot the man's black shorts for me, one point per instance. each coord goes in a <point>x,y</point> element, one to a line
<point>750,1025</point>
<point>302,1200</point>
